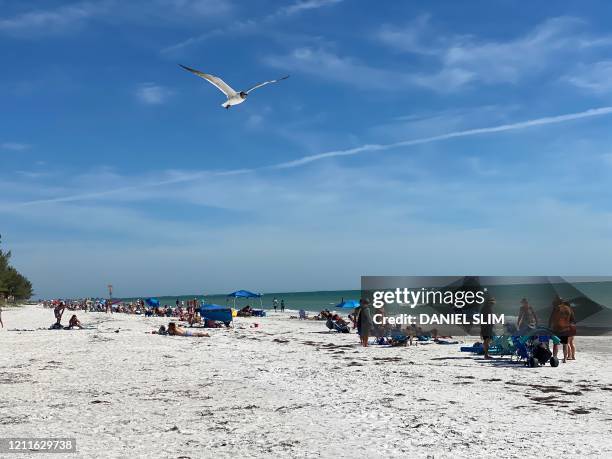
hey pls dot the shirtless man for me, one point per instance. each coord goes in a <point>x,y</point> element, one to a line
<point>174,330</point>
<point>59,311</point>
<point>560,322</point>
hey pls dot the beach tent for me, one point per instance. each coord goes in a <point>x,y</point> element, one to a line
<point>153,302</point>
<point>348,304</point>
<point>216,312</point>
<point>245,294</point>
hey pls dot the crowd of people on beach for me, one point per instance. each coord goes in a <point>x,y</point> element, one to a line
<point>561,322</point>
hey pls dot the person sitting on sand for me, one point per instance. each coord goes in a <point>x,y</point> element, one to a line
<point>353,320</point>
<point>74,322</point>
<point>174,330</point>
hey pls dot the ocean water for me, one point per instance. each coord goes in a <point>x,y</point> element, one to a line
<point>310,301</point>
<point>508,297</point>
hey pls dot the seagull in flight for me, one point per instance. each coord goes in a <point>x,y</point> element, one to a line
<point>233,97</point>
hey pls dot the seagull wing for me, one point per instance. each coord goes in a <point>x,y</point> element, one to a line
<point>259,85</point>
<point>216,81</point>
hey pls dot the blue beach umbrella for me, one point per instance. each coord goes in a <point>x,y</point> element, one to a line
<point>348,304</point>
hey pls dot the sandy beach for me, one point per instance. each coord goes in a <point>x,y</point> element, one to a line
<point>288,388</point>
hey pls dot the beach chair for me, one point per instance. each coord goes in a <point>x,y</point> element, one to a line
<point>533,349</point>
<point>303,315</point>
<point>398,338</point>
<point>341,328</point>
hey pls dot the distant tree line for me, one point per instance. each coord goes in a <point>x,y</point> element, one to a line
<point>12,282</point>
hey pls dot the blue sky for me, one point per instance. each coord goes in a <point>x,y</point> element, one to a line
<point>118,166</point>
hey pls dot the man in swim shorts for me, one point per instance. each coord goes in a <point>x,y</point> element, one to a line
<point>58,311</point>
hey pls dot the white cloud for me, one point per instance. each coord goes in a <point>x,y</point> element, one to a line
<point>153,94</point>
<point>465,58</point>
<point>207,176</point>
<point>595,77</point>
<point>15,146</point>
<point>305,5</point>
<point>45,22</point>
<point>252,25</point>
<point>67,18</point>
<point>374,217</point>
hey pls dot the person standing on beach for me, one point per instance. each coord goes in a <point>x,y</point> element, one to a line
<point>571,346</point>
<point>364,321</point>
<point>561,323</point>
<point>486,329</point>
<point>275,303</point>
<point>527,319</point>
<point>58,311</point>
<point>283,305</point>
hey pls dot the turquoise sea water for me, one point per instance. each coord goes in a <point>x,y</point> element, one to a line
<point>310,301</point>
<point>508,296</point>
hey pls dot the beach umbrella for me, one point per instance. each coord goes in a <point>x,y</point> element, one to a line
<point>348,304</point>
<point>245,294</point>
<point>153,302</point>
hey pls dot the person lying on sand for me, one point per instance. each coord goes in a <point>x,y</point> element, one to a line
<point>174,330</point>
<point>162,331</point>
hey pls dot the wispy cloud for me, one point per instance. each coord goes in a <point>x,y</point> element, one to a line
<point>595,77</point>
<point>327,65</point>
<point>490,61</point>
<point>299,218</point>
<point>252,25</point>
<point>305,5</point>
<point>14,146</point>
<point>44,22</point>
<point>305,160</point>
<point>153,94</point>
<point>69,17</point>
<point>451,135</point>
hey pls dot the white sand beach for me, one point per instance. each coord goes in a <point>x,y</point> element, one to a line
<point>290,389</point>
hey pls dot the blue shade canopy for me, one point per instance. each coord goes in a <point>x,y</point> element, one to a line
<point>244,294</point>
<point>216,312</point>
<point>352,304</point>
<point>153,302</point>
